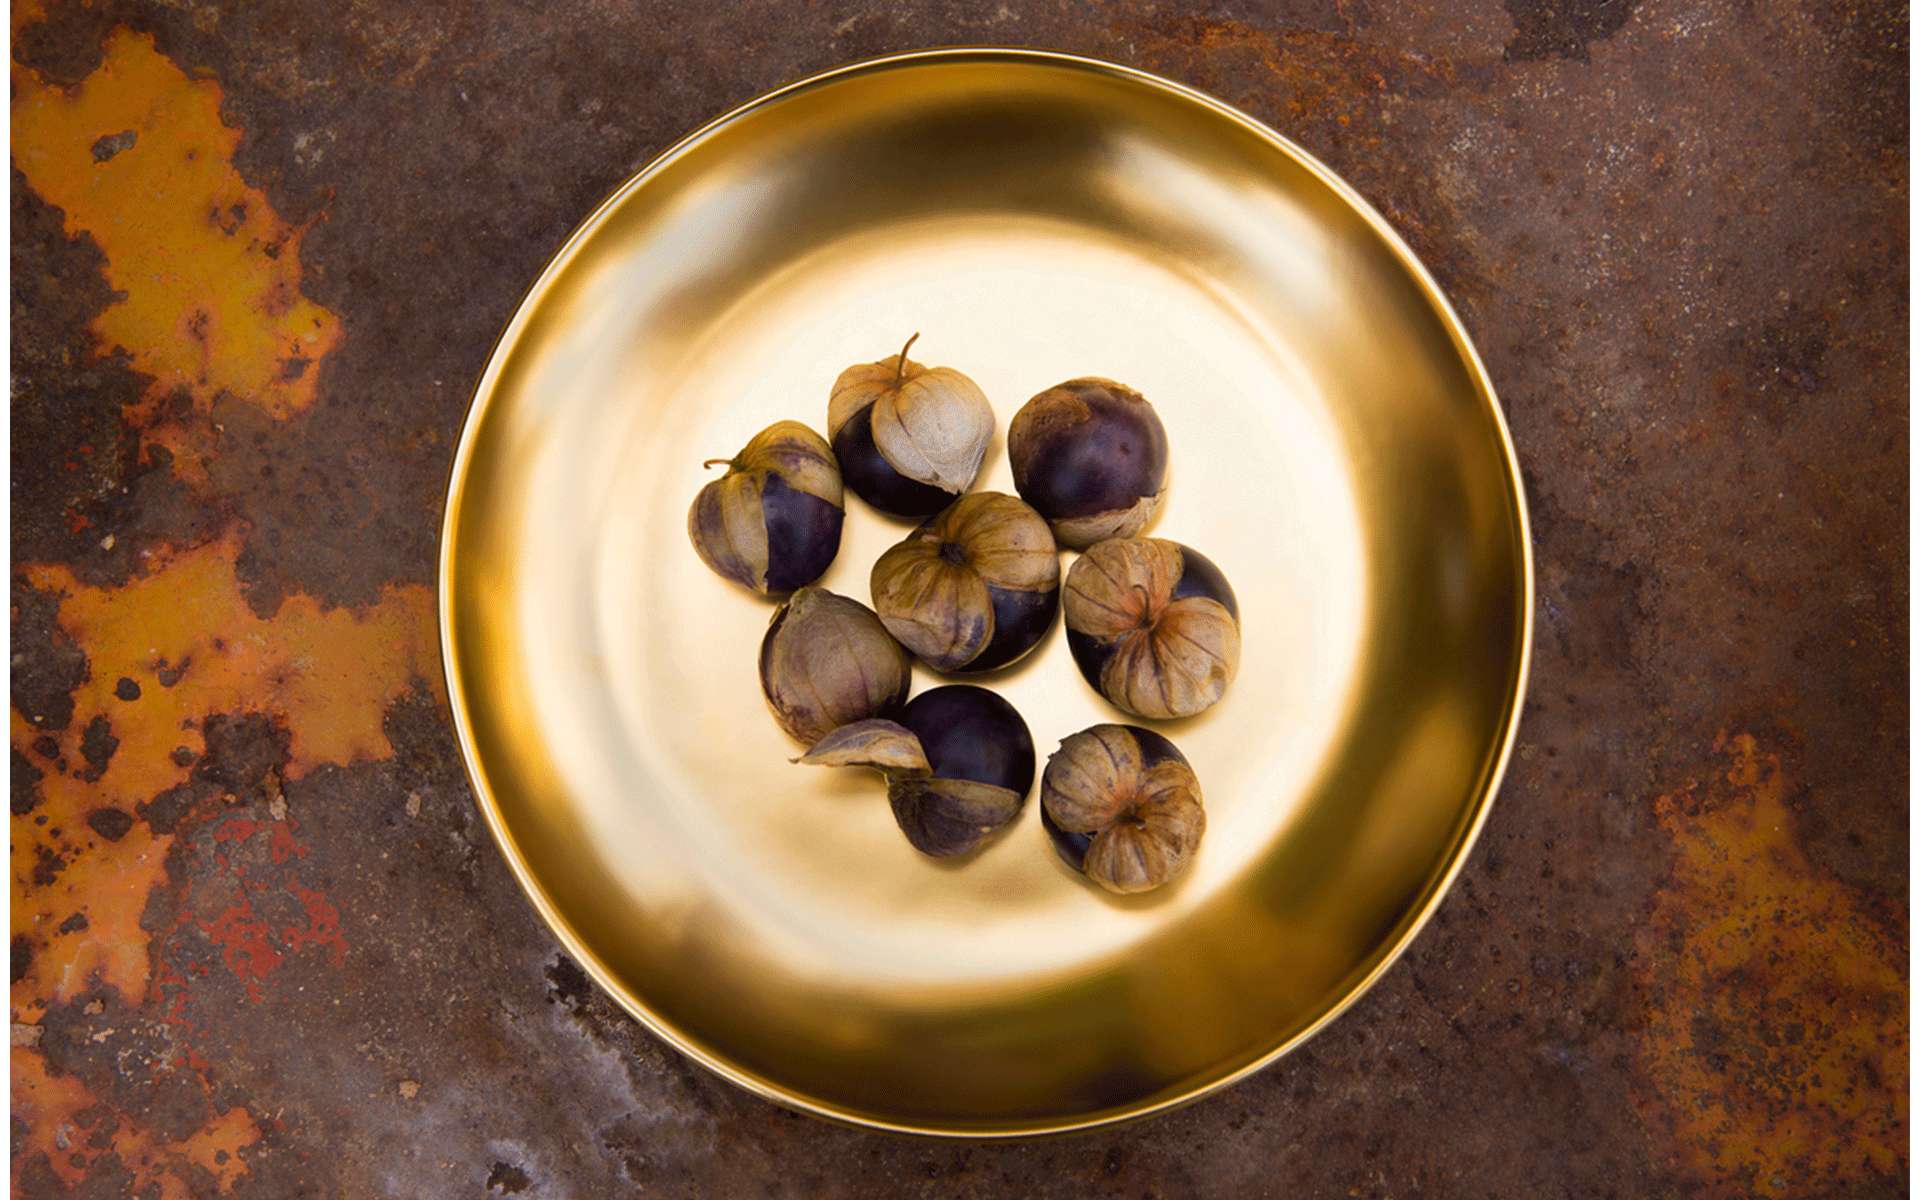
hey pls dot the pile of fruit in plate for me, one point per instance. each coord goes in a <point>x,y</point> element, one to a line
<point>1152,624</point>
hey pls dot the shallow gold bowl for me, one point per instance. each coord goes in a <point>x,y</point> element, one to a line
<point>1336,449</point>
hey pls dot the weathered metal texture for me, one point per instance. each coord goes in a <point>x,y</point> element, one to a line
<point>261,943</point>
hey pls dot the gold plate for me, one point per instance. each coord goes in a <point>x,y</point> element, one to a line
<point>1336,449</point>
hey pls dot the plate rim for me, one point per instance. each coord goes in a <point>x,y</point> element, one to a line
<point>1408,928</point>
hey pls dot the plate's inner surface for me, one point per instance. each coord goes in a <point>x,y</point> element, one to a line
<point>1032,221</point>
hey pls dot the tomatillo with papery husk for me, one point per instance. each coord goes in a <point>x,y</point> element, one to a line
<point>827,661</point>
<point>1123,807</point>
<point>909,438</point>
<point>1091,455</point>
<point>772,523</point>
<point>1153,626</point>
<point>959,763</point>
<point>974,588</point>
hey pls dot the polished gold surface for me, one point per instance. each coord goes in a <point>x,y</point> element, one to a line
<point>1336,449</point>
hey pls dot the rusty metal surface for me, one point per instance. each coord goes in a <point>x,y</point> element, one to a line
<point>261,944</point>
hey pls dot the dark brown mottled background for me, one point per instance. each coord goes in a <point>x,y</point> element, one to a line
<point>262,945</point>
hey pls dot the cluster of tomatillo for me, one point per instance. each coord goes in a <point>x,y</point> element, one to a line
<point>1152,624</point>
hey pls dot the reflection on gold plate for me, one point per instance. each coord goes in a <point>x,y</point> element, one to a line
<point>1336,449</point>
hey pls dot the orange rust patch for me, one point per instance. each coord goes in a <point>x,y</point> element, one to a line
<point>1774,1053</point>
<point>327,675</point>
<point>106,882</point>
<point>209,275</point>
<point>60,1118</point>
